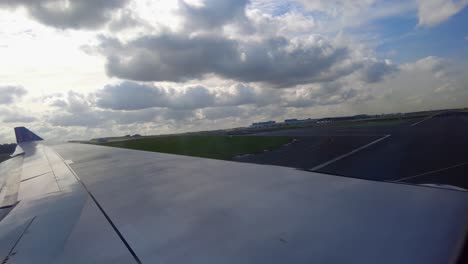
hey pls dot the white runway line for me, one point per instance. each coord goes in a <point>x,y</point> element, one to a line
<point>429,172</point>
<point>421,121</point>
<point>348,154</point>
<point>427,118</point>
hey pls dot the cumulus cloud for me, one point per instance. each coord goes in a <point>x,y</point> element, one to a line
<point>136,103</point>
<point>15,115</point>
<point>277,61</point>
<point>331,93</point>
<point>67,13</point>
<point>74,103</point>
<point>242,94</point>
<point>212,13</point>
<point>133,103</point>
<point>375,70</point>
<point>91,119</point>
<point>129,20</point>
<point>435,65</point>
<point>335,7</point>
<point>94,117</point>
<point>130,96</point>
<point>59,103</point>
<point>76,109</point>
<point>8,94</point>
<point>134,96</point>
<point>428,83</point>
<point>254,48</point>
<point>292,24</point>
<point>340,14</point>
<point>215,113</point>
<point>434,12</point>
<point>19,118</point>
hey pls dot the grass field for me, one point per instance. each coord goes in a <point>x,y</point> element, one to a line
<point>215,147</point>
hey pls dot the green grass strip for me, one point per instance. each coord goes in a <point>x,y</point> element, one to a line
<point>215,147</point>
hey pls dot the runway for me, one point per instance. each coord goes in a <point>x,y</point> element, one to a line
<point>422,151</point>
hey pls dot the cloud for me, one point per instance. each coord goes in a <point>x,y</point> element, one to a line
<point>292,23</point>
<point>15,115</point>
<point>435,65</point>
<point>103,118</point>
<point>331,93</point>
<point>59,103</point>
<point>279,62</point>
<point>340,14</point>
<point>212,13</point>
<point>434,12</point>
<point>335,7</point>
<point>428,83</point>
<point>89,14</point>
<point>130,96</point>
<point>19,118</point>
<point>134,96</point>
<point>97,118</point>
<point>216,113</point>
<point>375,71</point>
<point>134,103</point>
<point>76,109</point>
<point>9,94</point>
<point>128,19</point>
<point>242,94</point>
<point>91,119</point>
<point>246,46</point>
<point>74,103</point>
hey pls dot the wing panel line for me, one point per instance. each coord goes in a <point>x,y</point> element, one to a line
<point>114,227</point>
<point>5,260</point>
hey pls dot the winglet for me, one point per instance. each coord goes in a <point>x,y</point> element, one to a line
<point>25,135</point>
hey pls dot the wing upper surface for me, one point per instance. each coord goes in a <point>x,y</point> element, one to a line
<point>177,209</point>
<point>125,206</point>
<point>51,213</point>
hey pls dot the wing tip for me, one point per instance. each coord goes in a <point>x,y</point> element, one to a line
<point>25,135</point>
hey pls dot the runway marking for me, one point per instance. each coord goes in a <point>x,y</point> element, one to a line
<point>427,118</point>
<point>349,153</point>
<point>430,172</point>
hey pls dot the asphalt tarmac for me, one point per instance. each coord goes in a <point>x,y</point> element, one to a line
<point>434,151</point>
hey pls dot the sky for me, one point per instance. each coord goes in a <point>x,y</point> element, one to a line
<point>92,68</point>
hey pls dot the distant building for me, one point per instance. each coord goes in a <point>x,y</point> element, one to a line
<point>296,121</point>
<point>263,124</point>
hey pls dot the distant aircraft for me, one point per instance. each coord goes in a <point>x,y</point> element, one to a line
<point>77,203</point>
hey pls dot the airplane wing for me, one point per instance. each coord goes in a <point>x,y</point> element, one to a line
<point>77,203</point>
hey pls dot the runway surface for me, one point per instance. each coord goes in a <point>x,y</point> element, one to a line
<point>432,151</point>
